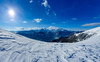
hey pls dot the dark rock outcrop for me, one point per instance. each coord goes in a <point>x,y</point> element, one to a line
<point>73,38</point>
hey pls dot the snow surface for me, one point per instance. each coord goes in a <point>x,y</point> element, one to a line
<point>77,34</point>
<point>91,31</point>
<point>16,48</point>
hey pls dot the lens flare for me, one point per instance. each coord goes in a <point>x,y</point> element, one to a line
<point>11,12</point>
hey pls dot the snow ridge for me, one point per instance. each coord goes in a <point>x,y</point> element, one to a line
<point>16,48</point>
<point>92,31</point>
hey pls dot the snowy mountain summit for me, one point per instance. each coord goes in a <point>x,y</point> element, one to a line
<point>76,37</point>
<point>88,34</point>
<point>16,48</point>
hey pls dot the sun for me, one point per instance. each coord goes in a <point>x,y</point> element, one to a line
<point>11,12</point>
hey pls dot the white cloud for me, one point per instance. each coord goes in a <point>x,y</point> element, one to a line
<point>47,12</point>
<point>19,28</point>
<point>22,28</point>
<point>74,18</point>
<point>91,24</point>
<point>53,23</point>
<point>35,28</point>
<point>24,21</point>
<point>38,20</point>
<point>54,13</point>
<point>47,7</point>
<point>12,20</point>
<point>97,17</point>
<point>52,27</point>
<point>45,3</point>
<point>63,22</point>
<point>31,1</point>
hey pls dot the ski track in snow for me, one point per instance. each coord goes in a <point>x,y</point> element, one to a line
<point>16,48</point>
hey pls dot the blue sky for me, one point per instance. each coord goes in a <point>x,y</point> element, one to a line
<point>33,14</point>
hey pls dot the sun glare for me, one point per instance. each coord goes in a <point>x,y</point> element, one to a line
<point>11,12</point>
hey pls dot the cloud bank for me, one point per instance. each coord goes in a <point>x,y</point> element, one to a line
<point>92,24</point>
<point>34,28</point>
<point>52,27</point>
<point>19,28</point>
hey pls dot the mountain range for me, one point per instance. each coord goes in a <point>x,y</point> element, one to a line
<point>45,34</point>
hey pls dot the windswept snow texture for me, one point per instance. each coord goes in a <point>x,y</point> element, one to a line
<point>16,48</point>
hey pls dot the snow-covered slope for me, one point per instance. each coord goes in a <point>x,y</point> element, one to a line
<point>91,31</point>
<point>87,34</point>
<point>77,37</point>
<point>16,48</point>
